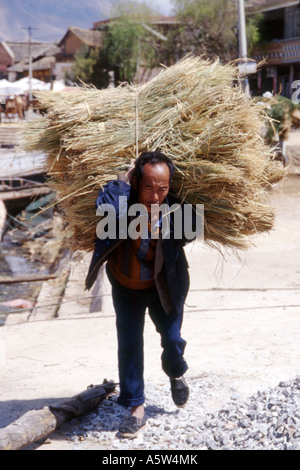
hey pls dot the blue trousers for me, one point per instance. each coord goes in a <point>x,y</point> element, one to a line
<point>130,307</point>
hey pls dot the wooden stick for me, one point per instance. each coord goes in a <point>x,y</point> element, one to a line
<point>3,214</point>
<point>22,193</point>
<point>37,424</point>
<point>28,278</point>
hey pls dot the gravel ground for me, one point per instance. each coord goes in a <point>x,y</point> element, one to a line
<point>267,420</point>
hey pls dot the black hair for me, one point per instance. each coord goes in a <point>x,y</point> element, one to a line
<point>153,158</point>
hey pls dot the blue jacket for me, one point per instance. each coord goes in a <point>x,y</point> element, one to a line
<point>171,277</point>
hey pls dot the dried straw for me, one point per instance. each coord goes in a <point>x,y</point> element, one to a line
<point>196,113</point>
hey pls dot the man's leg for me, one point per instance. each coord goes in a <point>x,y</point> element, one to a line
<point>173,362</point>
<point>169,327</point>
<point>130,317</point>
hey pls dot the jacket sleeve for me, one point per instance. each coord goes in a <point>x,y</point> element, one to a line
<point>111,192</point>
<point>115,194</point>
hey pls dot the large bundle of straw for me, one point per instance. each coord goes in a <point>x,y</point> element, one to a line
<point>196,113</point>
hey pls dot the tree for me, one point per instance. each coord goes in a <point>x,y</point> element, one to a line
<point>129,43</point>
<point>203,27</point>
<point>91,67</point>
<point>209,28</point>
<point>254,29</point>
<point>85,61</point>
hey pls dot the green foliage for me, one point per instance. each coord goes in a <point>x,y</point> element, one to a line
<point>280,111</point>
<point>204,27</point>
<point>253,31</point>
<point>209,26</point>
<point>128,43</point>
<point>85,62</point>
<point>91,67</point>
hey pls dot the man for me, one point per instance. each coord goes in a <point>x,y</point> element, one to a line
<point>145,272</point>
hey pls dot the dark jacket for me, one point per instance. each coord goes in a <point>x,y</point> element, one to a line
<point>171,267</point>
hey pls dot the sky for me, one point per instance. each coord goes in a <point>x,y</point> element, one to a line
<point>51,19</point>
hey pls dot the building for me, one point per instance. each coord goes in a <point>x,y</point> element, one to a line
<point>14,57</point>
<point>6,59</point>
<point>158,26</point>
<point>55,61</point>
<point>49,61</point>
<point>161,23</point>
<point>71,43</point>
<point>43,60</point>
<point>279,45</point>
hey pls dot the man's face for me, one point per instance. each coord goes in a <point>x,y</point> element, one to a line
<point>155,185</point>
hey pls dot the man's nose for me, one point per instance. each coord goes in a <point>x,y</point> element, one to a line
<point>155,197</point>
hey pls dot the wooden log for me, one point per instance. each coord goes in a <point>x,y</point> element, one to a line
<point>28,278</point>
<point>31,427</point>
<point>24,193</point>
<point>3,214</point>
<point>37,424</point>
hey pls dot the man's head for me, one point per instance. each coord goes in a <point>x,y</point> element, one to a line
<point>151,178</point>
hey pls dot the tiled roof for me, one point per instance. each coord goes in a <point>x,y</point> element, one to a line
<point>264,5</point>
<point>87,36</point>
<point>155,19</point>
<point>43,63</point>
<point>20,49</point>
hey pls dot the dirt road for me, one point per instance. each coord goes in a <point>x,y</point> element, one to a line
<point>242,324</point>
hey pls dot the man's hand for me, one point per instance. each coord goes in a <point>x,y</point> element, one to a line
<point>128,175</point>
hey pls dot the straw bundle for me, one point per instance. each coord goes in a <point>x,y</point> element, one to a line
<point>196,113</point>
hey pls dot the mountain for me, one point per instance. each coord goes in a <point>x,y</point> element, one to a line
<point>51,18</point>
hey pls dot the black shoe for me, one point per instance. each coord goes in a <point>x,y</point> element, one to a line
<point>180,392</point>
<point>132,426</point>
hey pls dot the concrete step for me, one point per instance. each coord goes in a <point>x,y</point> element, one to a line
<point>10,134</point>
